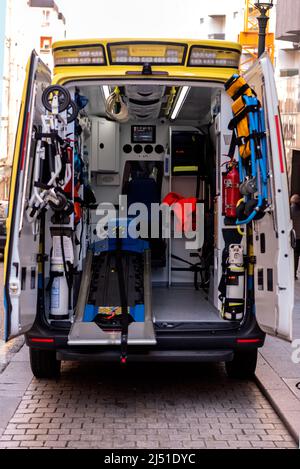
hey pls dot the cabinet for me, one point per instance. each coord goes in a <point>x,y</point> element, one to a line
<point>105,146</point>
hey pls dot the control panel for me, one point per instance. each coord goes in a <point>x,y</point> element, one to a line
<point>142,142</point>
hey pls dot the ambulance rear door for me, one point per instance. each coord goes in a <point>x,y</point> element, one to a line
<point>22,249</point>
<point>273,246</point>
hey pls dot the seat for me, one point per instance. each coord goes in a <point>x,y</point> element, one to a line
<point>145,190</point>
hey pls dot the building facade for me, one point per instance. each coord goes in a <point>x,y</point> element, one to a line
<point>27,25</point>
<point>237,21</point>
<point>2,118</point>
<point>288,79</point>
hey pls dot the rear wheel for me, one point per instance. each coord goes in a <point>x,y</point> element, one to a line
<point>243,365</point>
<point>44,364</point>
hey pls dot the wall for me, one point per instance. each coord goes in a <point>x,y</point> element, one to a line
<point>2,48</point>
<point>288,20</point>
<point>2,45</point>
<point>288,73</point>
<point>222,18</point>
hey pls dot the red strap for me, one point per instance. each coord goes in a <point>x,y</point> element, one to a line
<point>184,209</point>
<point>172,198</point>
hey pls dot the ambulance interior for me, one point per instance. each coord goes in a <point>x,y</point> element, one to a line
<point>172,141</point>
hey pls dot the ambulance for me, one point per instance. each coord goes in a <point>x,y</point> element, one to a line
<point>170,126</point>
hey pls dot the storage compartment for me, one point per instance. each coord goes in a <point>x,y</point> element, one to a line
<point>104,146</point>
<point>188,153</point>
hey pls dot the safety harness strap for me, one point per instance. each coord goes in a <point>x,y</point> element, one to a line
<point>239,117</point>
<point>53,136</point>
<point>242,140</point>
<point>123,298</point>
<point>241,91</point>
<point>233,145</point>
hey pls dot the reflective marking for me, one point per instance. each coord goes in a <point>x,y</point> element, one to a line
<point>42,341</point>
<point>278,132</point>
<point>248,341</point>
<point>25,141</point>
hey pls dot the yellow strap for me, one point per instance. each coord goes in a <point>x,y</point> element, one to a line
<point>237,269</point>
<point>179,169</point>
<point>239,228</point>
<point>240,231</point>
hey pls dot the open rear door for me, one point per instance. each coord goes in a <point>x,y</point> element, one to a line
<point>274,269</point>
<point>21,256</point>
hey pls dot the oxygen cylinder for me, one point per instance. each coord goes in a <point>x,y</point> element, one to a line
<point>59,299</point>
<point>231,190</point>
<point>60,294</point>
<point>234,304</point>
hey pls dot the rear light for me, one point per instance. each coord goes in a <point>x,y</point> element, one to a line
<point>83,55</point>
<point>139,53</point>
<point>41,341</point>
<point>248,341</point>
<point>211,57</point>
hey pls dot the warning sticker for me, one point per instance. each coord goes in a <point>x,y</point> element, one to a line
<point>109,310</point>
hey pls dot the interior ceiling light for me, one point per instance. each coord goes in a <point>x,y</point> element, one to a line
<point>180,101</point>
<point>106,92</point>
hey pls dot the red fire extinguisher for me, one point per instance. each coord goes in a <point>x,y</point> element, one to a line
<point>231,190</point>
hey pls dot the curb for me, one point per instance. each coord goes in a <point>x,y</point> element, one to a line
<point>282,399</point>
<point>9,350</point>
<point>14,381</point>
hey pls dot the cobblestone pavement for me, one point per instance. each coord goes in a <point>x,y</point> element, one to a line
<point>145,406</point>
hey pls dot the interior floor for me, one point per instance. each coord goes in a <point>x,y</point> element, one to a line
<point>182,304</point>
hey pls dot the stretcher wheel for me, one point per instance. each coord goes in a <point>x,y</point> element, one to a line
<point>72,112</point>
<point>62,203</point>
<point>64,97</point>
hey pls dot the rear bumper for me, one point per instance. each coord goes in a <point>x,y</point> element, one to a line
<point>150,356</point>
<point>206,346</point>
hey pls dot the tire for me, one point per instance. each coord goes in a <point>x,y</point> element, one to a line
<point>243,365</point>
<point>64,97</point>
<point>44,364</point>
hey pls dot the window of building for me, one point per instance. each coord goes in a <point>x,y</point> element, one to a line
<point>217,26</point>
<point>46,18</point>
<point>46,44</point>
<point>201,20</point>
<point>289,72</point>
<point>235,14</point>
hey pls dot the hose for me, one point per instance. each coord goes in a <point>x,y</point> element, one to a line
<point>112,101</point>
<point>240,231</point>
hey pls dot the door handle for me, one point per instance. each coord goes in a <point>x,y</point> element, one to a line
<point>293,239</point>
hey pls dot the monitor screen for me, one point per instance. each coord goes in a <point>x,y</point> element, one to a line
<point>143,134</point>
